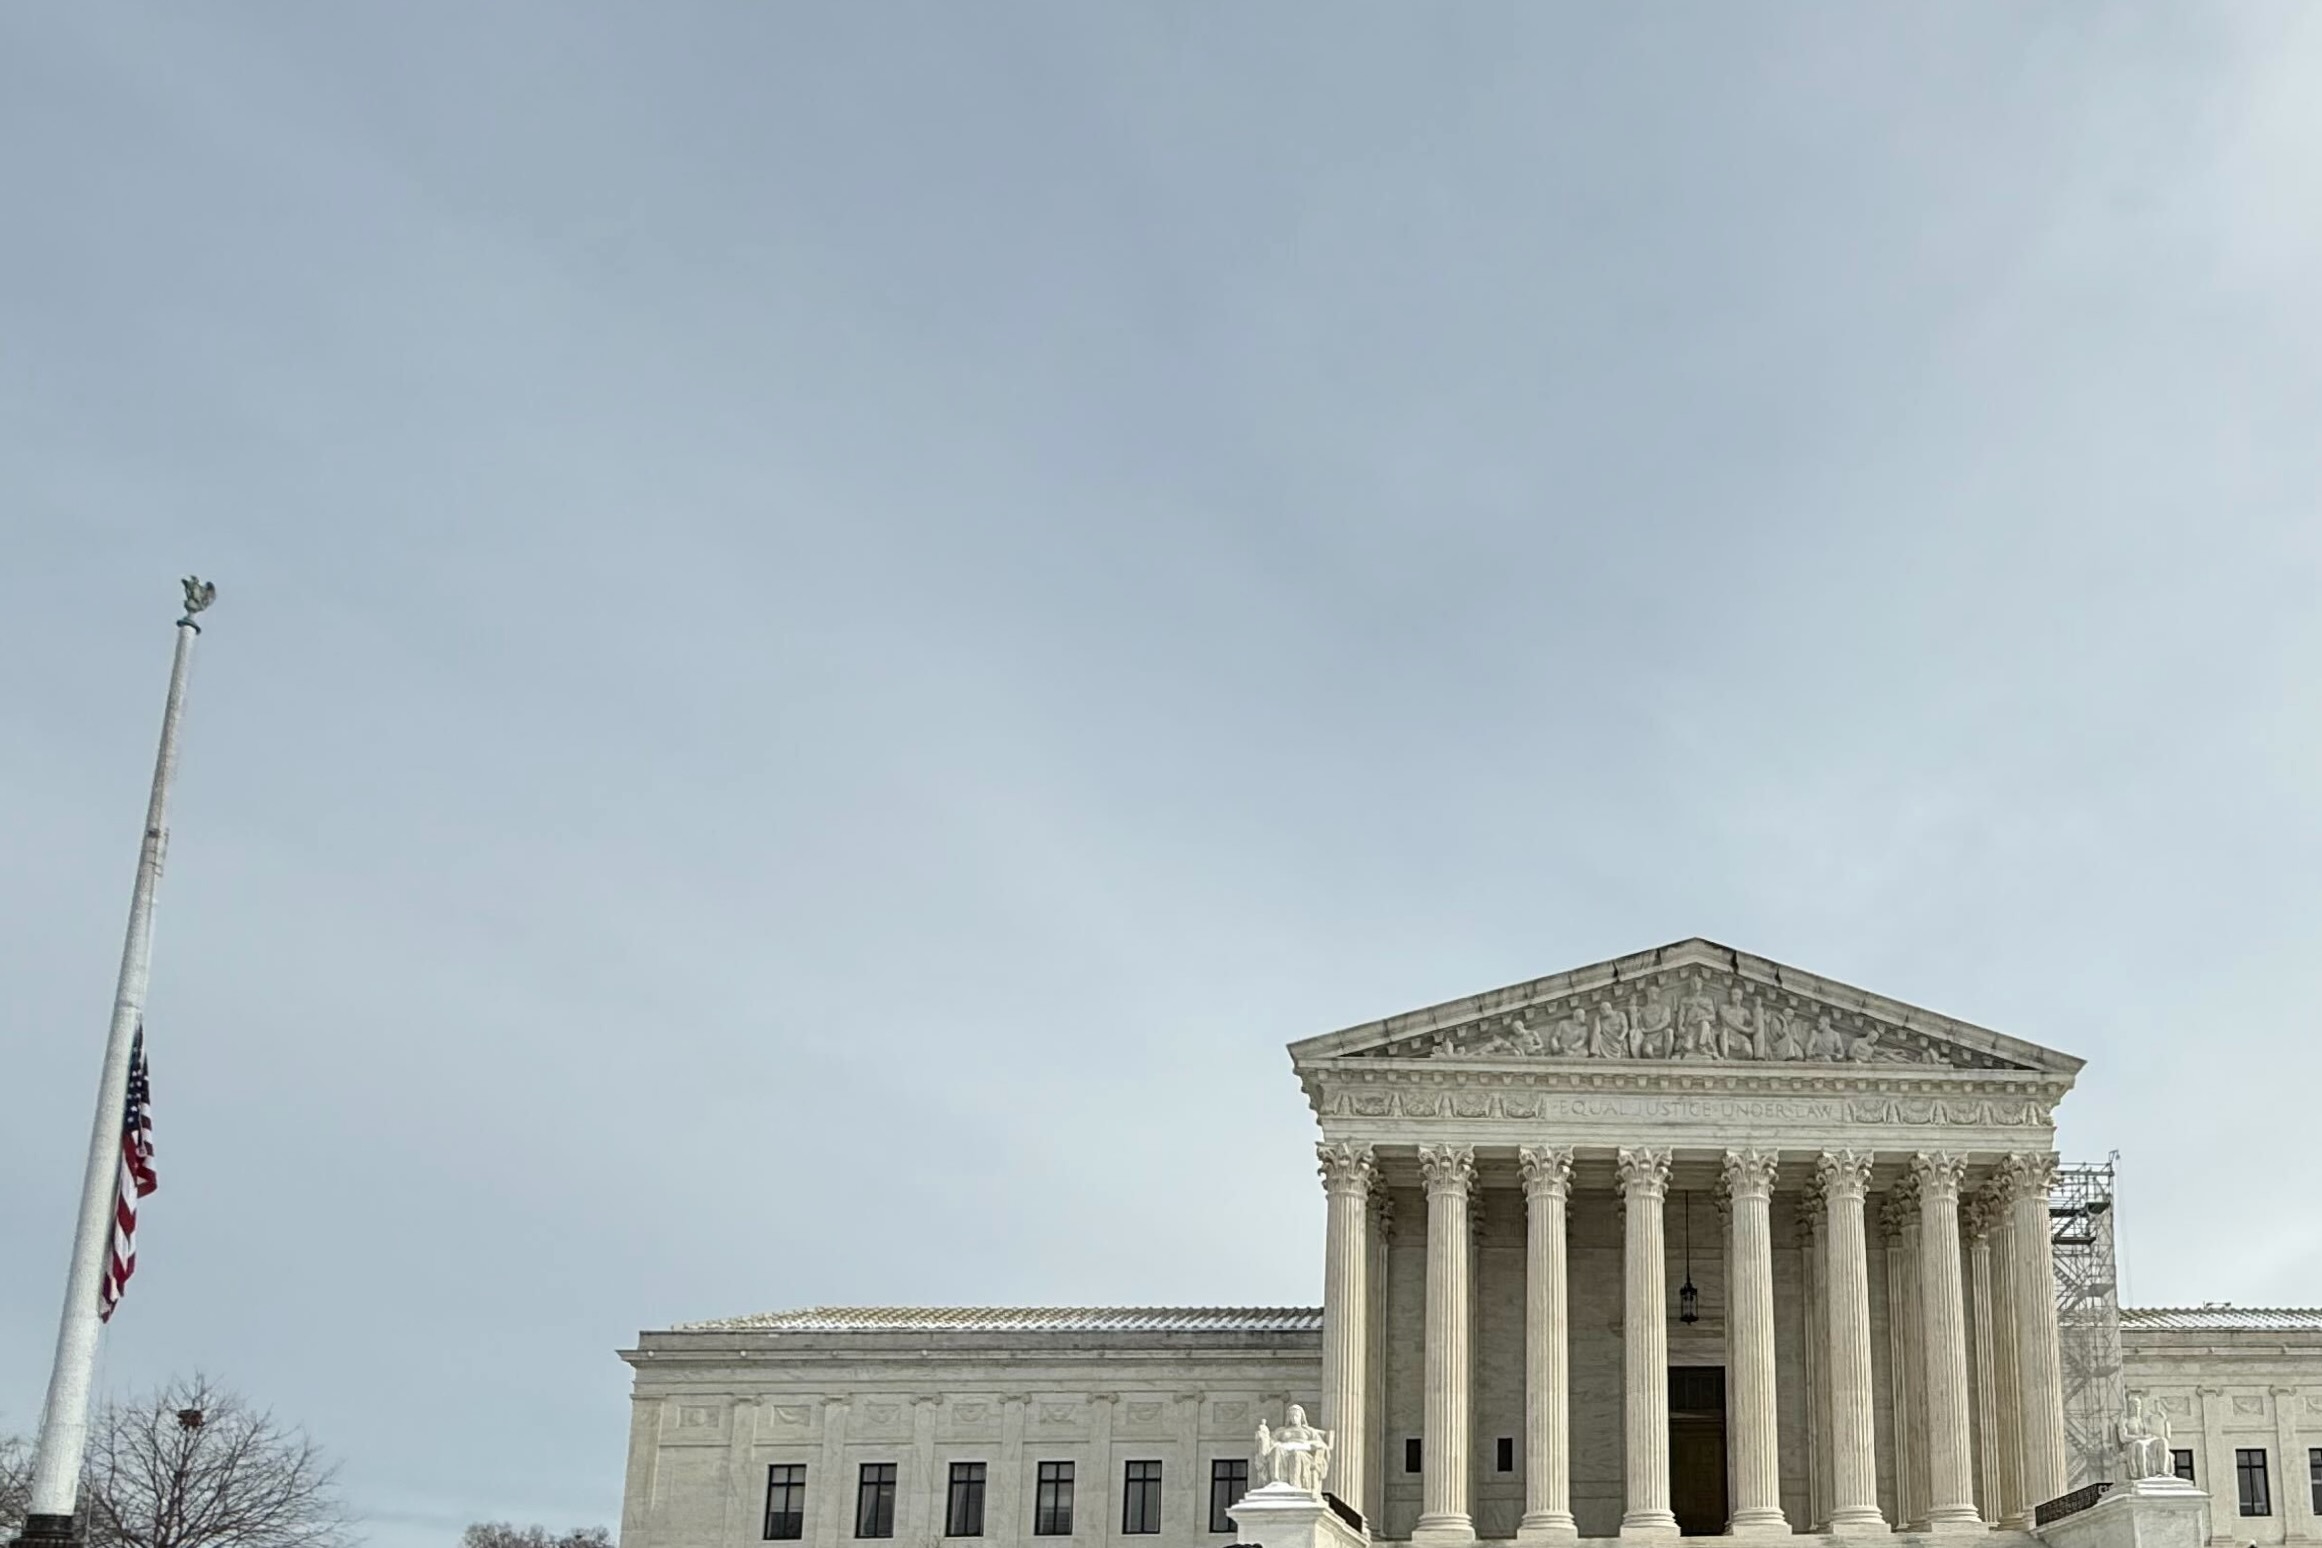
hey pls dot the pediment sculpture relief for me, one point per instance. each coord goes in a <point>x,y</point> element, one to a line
<point>1690,1014</point>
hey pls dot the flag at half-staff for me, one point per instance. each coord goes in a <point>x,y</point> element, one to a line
<point>135,1180</point>
<point>118,1169</point>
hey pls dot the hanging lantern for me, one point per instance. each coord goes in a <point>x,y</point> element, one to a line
<point>1688,1298</point>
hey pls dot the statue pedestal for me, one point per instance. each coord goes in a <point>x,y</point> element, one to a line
<point>1284,1516</point>
<point>2150,1513</point>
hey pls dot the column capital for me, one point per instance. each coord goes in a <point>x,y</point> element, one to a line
<point>1899,1212</point>
<point>1644,1172</point>
<point>1811,1205</point>
<point>1547,1171</point>
<point>1844,1175</point>
<point>1978,1213</point>
<point>1749,1174</point>
<point>1447,1168</point>
<point>2026,1175</point>
<point>1346,1167</point>
<point>1938,1174</point>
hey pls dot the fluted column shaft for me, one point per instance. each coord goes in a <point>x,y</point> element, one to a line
<point>2039,1369</point>
<point>1547,1350</point>
<point>1898,1235</point>
<point>1645,1391</point>
<point>1975,1222</point>
<point>1943,1315</point>
<point>1757,1480</point>
<point>1816,1277</point>
<point>2015,1508</point>
<point>1845,1177</point>
<point>1382,1229</point>
<point>1449,1171</point>
<point>1347,1173</point>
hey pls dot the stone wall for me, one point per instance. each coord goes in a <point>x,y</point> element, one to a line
<point>2233,1388</point>
<point>712,1412</point>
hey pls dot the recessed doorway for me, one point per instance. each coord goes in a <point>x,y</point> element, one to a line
<point>1697,1449</point>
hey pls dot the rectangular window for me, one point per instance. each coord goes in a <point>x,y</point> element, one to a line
<point>1052,1501</point>
<point>2181,1463</point>
<point>875,1501</point>
<point>2314,1477</point>
<point>2249,1465</point>
<point>963,1508</point>
<point>786,1502</point>
<point>1411,1455</point>
<point>1140,1499</point>
<point>1504,1454</point>
<point>1229,1480</point>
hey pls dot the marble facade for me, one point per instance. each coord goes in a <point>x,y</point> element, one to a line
<point>1516,1189</point>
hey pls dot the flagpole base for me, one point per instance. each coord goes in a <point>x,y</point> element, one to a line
<point>50,1532</point>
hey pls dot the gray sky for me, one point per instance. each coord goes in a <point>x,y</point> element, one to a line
<point>837,620</point>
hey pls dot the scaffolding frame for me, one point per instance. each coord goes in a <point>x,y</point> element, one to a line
<point>2081,1219</point>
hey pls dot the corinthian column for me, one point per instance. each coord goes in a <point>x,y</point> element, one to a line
<point>1854,1480</point>
<point>1347,1173</point>
<point>1815,1278</point>
<point>1950,1445</point>
<point>1757,1482</point>
<point>1644,1183</point>
<point>1449,1170</point>
<point>2039,1371</point>
<point>1975,1224</point>
<point>1547,1368</point>
<point>1906,1367</point>
<point>2014,1511</point>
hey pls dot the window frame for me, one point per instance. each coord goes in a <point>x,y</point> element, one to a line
<point>2314,1475</point>
<point>1504,1454</point>
<point>793,1492</point>
<point>875,1501</point>
<point>963,1498</point>
<point>1414,1454</point>
<point>1229,1480</point>
<point>1141,1497</point>
<point>1052,1499</point>
<point>2249,1464</point>
<point>2181,1464</point>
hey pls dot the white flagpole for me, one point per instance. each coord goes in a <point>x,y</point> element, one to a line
<point>64,1419</point>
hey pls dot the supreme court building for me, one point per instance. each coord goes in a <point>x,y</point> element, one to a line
<point>1687,1242</point>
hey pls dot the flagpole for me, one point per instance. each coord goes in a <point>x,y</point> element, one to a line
<point>64,1419</point>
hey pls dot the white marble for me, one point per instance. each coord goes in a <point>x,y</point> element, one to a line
<point>1347,1174</point>
<point>1547,1174</point>
<point>1644,1176</point>
<point>1449,1171</point>
<point>1500,1242</point>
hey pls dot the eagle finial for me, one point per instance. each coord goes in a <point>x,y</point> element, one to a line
<point>199,594</point>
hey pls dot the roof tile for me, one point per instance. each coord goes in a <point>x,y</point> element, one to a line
<point>2221,1319</point>
<point>1022,1319</point>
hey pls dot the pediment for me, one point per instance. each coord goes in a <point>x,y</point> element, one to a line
<point>1691,1003</point>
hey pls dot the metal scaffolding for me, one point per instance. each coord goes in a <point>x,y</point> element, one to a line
<point>2080,1226</point>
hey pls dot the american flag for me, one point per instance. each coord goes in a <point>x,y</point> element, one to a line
<point>137,1178</point>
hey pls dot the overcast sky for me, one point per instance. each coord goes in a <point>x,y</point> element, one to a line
<point>836,621</point>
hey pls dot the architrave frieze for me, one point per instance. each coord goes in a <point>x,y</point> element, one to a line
<point>1883,1108</point>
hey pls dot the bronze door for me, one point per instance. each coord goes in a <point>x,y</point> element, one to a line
<point>1697,1449</point>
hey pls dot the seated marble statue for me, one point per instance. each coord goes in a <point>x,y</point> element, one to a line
<point>2144,1441</point>
<point>1297,1454</point>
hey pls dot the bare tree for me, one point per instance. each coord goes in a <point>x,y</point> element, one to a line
<point>193,1465</point>
<point>15,1483</point>
<point>503,1534</point>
